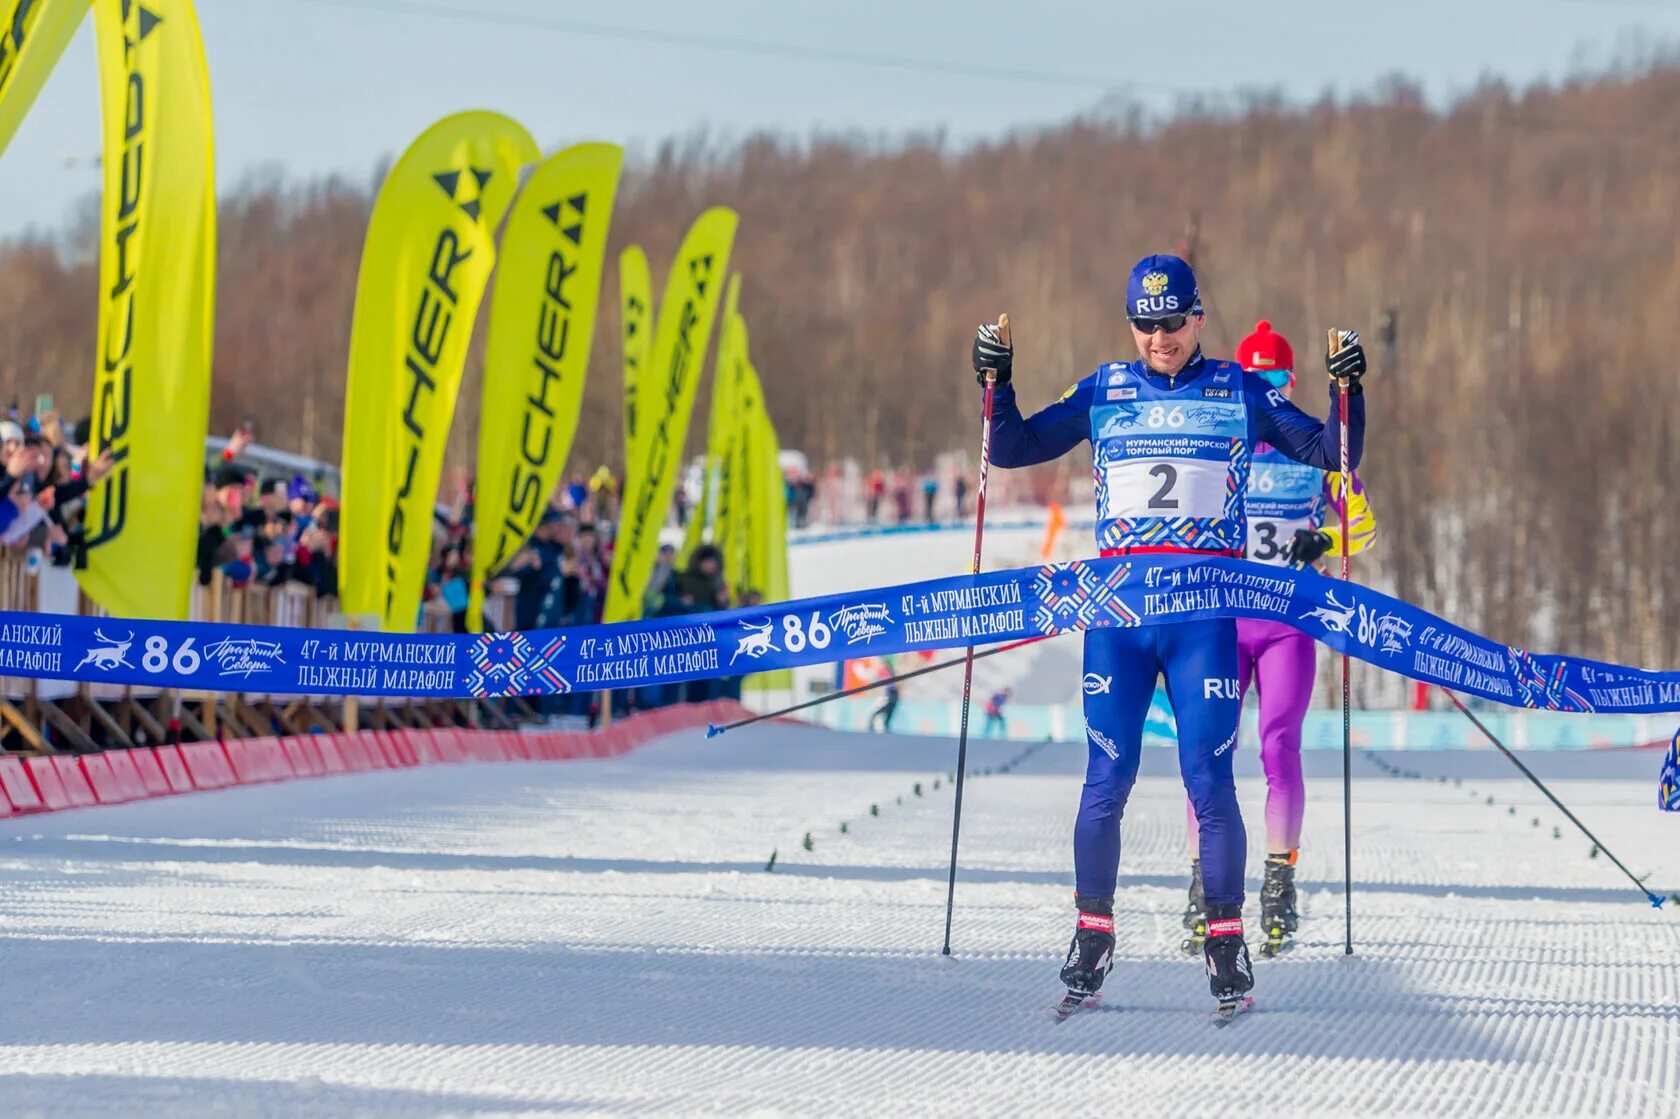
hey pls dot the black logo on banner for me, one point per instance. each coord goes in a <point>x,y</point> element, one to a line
<point>13,36</point>
<point>465,190</point>
<point>635,321</point>
<point>114,381</point>
<point>434,313</point>
<point>572,231</point>
<point>659,449</point>
<point>525,497</point>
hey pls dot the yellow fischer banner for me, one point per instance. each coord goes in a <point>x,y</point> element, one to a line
<point>428,254</point>
<point>769,543</point>
<point>157,277</point>
<point>666,392</point>
<point>635,295</point>
<point>731,353</point>
<point>739,514</point>
<point>774,564</point>
<point>542,326</point>
<point>33,34</point>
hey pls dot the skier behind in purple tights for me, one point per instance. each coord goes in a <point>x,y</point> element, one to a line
<point>1293,519</point>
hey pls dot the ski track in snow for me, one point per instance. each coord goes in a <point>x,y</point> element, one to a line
<point>601,937</point>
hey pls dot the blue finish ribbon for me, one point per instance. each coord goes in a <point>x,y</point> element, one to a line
<point>937,614</point>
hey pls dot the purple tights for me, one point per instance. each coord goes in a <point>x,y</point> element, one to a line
<point>1280,662</point>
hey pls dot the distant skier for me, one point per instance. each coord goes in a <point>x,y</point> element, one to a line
<point>1291,522</point>
<point>1173,481</point>
<point>888,708</point>
<point>994,715</point>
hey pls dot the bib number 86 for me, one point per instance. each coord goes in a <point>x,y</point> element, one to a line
<point>185,662</point>
<point>1161,416</point>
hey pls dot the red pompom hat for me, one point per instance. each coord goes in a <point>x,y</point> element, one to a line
<point>1266,349</point>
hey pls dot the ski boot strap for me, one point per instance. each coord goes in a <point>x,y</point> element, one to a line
<point>1096,921</point>
<point>1224,926</point>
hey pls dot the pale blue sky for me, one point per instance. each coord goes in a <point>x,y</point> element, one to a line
<point>316,86</point>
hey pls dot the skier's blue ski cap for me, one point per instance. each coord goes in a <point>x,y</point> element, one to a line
<point>1162,285</point>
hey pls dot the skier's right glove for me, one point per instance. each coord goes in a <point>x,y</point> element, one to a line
<point>992,352</point>
<point>1307,547</point>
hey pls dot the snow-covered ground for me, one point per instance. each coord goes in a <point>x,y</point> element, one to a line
<point>603,937</point>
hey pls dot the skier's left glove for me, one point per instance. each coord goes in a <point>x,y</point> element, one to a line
<point>1348,363</point>
<point>1307,548</point>
<point>992,352</point>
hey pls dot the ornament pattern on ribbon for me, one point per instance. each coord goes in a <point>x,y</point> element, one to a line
<point>1077,596</point>
<point>1542,690</point>
<point>506,664</point>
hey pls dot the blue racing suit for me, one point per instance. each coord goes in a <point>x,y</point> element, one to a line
<point>1171,460</point>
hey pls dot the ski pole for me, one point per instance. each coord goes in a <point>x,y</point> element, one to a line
<point>968,665</point>
<point>1655,900</point>
<point>1335,344</point>
<point>714,729</point>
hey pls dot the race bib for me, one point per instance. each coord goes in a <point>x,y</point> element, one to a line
<point>1284,496</point>
<point>1166,487</point>
<point>1170,464</point>
<point>1268,539</point>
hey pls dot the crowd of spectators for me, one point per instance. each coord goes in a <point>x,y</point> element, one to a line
<point>265,530</point>
<point>900,486</point>
<point>45,474</point>
<point>259,527</point>
<point>560,579</point>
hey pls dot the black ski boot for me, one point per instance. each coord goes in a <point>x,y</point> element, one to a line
<point>1230,975</point>
<point>1278,919</point>
<point>1195,913</point>
<point>1091,955</point>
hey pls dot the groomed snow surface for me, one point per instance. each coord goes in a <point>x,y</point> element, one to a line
<point>602,937</point>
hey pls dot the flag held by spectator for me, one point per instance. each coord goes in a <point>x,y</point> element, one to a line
<point>542,326</point>
<point>635,294</point>
<point>157,275</point>
<point>33,35</point>
<point>427,257</point>
<point>666,392</point>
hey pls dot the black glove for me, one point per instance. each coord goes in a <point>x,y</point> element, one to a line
<point>991,352</point>
<point>1307,548</point>
<point>1348,363</point>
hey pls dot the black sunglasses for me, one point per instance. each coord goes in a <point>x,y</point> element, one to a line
<point>1170,324</point>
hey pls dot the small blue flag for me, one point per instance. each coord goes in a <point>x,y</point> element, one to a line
<point>1668,785</point>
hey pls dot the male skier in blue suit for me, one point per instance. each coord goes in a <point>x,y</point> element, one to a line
<point>1171,435</point>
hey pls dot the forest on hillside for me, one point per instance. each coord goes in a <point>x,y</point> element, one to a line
<point>1513,262</point>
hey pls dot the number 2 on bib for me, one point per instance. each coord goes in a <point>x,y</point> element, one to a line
<point>1169,478</point>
